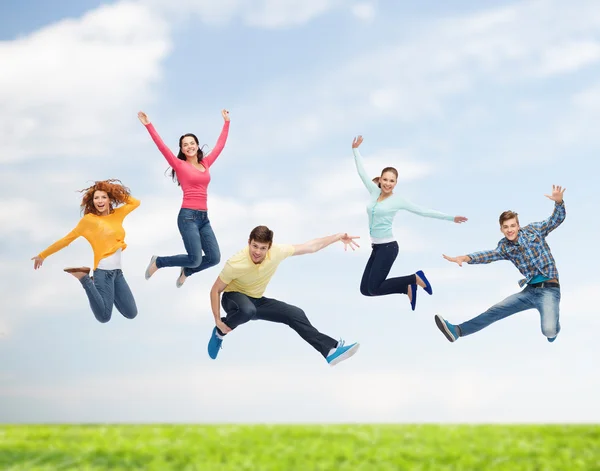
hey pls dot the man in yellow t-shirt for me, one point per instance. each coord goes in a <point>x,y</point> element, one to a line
<point>243,281</point>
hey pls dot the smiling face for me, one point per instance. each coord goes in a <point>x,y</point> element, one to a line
<point>101,202</point>
<point>510,229</point>
<point>258,250</point>
<point>387,183</point>
<point>189,147</point>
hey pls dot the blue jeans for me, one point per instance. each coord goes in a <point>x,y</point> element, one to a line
<point>109,288</point>
<point>545,300</point>
<point>378,267</point>
<point>198,236</point>
<point>241,309</point>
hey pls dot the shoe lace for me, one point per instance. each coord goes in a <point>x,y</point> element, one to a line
<point>341,343</point>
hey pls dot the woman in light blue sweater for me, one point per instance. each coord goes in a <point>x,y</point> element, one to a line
<point>381,209</point>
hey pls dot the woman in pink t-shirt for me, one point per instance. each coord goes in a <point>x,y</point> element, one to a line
<point>190,169</point>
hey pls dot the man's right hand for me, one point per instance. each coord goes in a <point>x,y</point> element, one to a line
<point>223,327</point>
<point>460,259</point>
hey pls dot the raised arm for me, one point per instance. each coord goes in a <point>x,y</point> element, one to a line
<point>315,245</point>
<point>360,167</point>
<point>212,156</point>
<point>131,204</point>
<point>403,203</point>
<point>558,215</point>
<point>162,147</point>
<point>55,247</point>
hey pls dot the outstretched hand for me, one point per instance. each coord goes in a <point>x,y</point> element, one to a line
<point>349,241</point>
<point>225,115</point>
<point>37,262</point>
<point>143,117</point>
<point>459,260</point>
<point>357,141</point>
<point>557,193</point>
<point>460,219</point>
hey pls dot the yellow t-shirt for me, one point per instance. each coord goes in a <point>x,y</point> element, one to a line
<point>104,233</point>
<point>242,275</point>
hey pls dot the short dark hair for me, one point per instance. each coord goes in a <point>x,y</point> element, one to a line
<point>506,215</point>
<point>261,234</point>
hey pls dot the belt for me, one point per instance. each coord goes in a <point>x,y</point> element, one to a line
<point>546,284</point>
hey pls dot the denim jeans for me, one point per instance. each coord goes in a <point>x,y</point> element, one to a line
<point>109,288</point>
<point>241,309</point>
<point>378,267</point>
<point>198,236</point>
<point>545,300</point>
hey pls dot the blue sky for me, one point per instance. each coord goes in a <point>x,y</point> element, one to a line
<point>481,106</point>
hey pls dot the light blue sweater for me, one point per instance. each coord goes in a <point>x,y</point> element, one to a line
<point>381,214</point>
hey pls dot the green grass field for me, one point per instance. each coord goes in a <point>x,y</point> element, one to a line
<point>307,448</point>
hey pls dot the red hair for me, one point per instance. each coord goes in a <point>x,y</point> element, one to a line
<point>117,194</point>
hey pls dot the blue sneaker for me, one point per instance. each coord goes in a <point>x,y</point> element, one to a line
<point>427,288</point>
<point>342,352</point>
<point>449,330</point>
<point>214,344</point>
<point>551,339</point>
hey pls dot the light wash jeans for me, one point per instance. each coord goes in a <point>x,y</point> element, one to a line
<point>109,288</point>
<point>198,236</point>
<point>545,300</point>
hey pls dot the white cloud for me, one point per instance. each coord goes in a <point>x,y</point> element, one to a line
<point>321,195</point>
<point>278,14</point>
<point>270,14</point>
<point>412,80</point>
<point>364,11</point>
<point>588,99</point>
<point>568,56</point>
<point>71,87</point>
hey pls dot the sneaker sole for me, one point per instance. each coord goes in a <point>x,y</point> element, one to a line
<point>344,356</point>
<point>444,328</point>
<point>77,270</point>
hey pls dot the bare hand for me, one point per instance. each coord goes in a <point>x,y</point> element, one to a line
<point>223,327</point>
<point>143,118</point>
<point>460,260</point>
<point>225,115</point>
<point>37,262</point>
<point>357,142</point>
<point>460,219</point>
<point>557,193</point>
<point>349,241</point>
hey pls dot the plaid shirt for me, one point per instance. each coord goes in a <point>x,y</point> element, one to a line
<point>530,252</point>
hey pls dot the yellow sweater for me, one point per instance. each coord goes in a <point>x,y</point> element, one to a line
<point>105,233</point>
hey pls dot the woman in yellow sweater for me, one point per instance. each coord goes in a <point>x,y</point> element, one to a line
<point>102,226</point>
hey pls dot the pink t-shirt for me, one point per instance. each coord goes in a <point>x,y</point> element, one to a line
<point>194,182</point>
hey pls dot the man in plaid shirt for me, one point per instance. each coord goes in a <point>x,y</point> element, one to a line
<point>527,249</point>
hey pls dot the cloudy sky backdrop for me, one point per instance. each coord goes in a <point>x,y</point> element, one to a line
<point>480,105</point>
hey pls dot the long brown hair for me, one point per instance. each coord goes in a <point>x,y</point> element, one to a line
<point>181,155</point>
<point>116,191</point>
